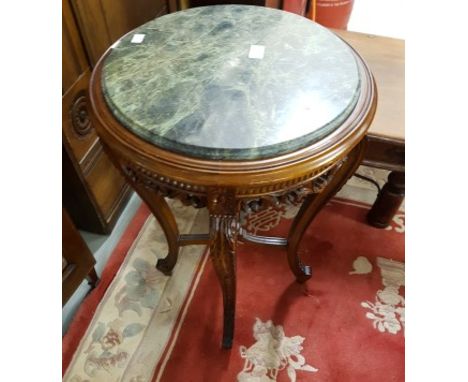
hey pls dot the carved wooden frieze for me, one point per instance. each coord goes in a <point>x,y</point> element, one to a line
<point>189,195</point>
<point>197,196</point>
<point>80,117</point>
<point>285,186</point>
<point>293,196</point>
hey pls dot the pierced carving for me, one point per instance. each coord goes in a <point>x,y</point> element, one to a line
<point>292,197</point>
<point>189,195</point>
<point>318,184</point>
<point>282,186</point>
<point>79,116</point>
<point>197,196</point>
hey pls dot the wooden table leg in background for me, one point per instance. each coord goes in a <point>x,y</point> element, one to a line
<point>388,201</point>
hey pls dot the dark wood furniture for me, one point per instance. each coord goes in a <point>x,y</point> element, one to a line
<point>386,136</point>
<point>94,192</point>
<point>77,260</point>
<point>101,22</point>
<point>313,173</point>
<point>184,4</point>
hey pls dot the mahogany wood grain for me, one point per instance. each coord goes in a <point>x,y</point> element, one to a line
<point>74,61</point>
<point>224,207</point>
<point>225,185</point>
<point>75,110</point>
<point>102,22</point>
<point>313,204</point>
<point>93,190</point>
<point>160,209</point>
<point>109,188</point>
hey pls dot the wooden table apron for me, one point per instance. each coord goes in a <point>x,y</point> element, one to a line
<point>316,172</point>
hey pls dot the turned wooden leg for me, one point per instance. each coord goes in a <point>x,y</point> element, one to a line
<point>312,205</point>
<point>388,201</point>
<point>160,209</point>
<point>224,228</point>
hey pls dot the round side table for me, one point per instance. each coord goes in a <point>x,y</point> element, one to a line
<point>234,108</point>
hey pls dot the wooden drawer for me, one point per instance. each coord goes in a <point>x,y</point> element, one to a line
<point>78,132</point>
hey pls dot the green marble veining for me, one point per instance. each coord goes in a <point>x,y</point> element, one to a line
<point>191,87</point>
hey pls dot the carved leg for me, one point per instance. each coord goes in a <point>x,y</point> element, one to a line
<point>388,201</point>
<point>312,205</point>
<point>160,209</point>
<point>224,228</point>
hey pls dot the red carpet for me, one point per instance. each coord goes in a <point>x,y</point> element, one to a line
<point>345,324</point>
<point>85,313</point>
<point>340,340</point>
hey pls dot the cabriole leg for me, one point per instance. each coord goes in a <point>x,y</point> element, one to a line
<point>313,204</point>
<point>162,212</point>
<point>224,228</point>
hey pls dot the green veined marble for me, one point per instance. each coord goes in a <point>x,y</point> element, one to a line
<point>191,87</point>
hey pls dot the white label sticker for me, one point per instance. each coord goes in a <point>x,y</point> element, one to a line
<point>257,51</point>
<point>138,38</point>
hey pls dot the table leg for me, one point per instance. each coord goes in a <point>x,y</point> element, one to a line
<point>162,212</point>
<point>313,204</point>
<point>224,228</point>
<point>92,277</point>
<point>388,201</point>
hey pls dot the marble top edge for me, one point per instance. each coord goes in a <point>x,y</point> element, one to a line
<point>210,100</point>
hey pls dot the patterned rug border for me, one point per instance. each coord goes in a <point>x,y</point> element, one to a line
<point>85,312</point>
<point>159,367</point>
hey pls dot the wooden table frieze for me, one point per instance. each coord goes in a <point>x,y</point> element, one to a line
<point>303,147</point>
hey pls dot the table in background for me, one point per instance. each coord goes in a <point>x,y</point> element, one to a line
<point>386,136</point>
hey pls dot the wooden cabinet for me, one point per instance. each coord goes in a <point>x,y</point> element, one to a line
<point>102,22</point>
<point>77,260</point>
<point>94,192</point>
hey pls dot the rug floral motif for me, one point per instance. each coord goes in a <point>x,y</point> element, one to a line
<point>150,327</point>
<point>272,353</point>
<point>388,311</point>
<point>138,292</point>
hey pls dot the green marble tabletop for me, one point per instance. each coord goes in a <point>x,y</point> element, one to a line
<point>231,82</point>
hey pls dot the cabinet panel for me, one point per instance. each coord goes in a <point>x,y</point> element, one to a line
<point>107,185</point>
<point>74,60</point>
<point>78,132</point>
<point>77,260</point>
<point>125,15</point>
<point>104,21</point>
<point>93,191</point>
